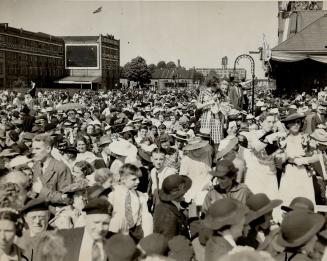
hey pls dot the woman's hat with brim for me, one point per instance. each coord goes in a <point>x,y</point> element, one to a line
<point>123,148</point>
<point>196,143</point>
<point>180,135</point>
<point>320,135</point>
<point>128,128</point>
<point>70,150</point>
<point>293,116</point>
<point>19,161</point>
<point>225,146</point>
<point>104,140</point>
<point>223,212</point>
<point>298,227</point>
<point>7,153</point>
<point>259,205</point>
<point>204,133</point>
<point>224,167</point>
<point>75,187</point>
<point>301,203</point>
<point>174,186</point>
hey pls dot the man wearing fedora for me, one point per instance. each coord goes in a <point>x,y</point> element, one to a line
<point>259,219</point>
<point>87,243</point>
<point>169,219</point>
<point>103,144</point>
<point>226,219</point>
<point>227,187</point>
<point>298,235</point>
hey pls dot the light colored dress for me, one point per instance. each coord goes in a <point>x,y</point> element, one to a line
<point>260,176</point>
<point>295,181</point>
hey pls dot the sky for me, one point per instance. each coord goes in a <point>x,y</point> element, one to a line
<point>199,33</point>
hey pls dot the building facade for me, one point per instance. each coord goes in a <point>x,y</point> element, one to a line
<point>27,56</point>
<point>223,72</point>
<point>92,62</point>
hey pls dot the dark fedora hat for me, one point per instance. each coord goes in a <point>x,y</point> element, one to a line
<point>223,168</point>
<point>293,116</point>
<point>259,205</point>
<point>174,186</point>
<point>300,203</point>
<point>36,204</point>
<point>144,155</point>
<point>223,212</point>
<point>298,227</point>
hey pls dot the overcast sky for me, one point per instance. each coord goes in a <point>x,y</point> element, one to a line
<point>197,33</point>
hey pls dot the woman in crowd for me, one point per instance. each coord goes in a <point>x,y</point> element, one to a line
<point>83,147</point>
<point>211,119</point>
<point>295,180</point>
<point>11,225</point>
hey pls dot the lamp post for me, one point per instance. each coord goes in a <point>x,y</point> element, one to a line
<point>250,58</point>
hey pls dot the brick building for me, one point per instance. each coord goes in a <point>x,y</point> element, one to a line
<point>91,62</point>
<point>27,56</point>
<point>223,72</point>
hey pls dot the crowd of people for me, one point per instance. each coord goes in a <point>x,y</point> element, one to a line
<point>177,174</point>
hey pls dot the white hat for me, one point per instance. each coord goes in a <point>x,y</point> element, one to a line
<point>293,106</point>
<point>274,111</point>
<point>19,161</point>
<point>249,117</point>
<point>259,103</point>
<point>123,148</point>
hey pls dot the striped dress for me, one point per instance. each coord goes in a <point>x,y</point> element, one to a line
<point>211,121</point>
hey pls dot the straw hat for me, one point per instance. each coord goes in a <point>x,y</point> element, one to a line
<point>180,135</point>
<point>128,128</point>
<point>105,140</point>
<point>19,161</point>
<point>320,135</point>
<point>196,143</point>
<point>225,146</point>
<point>204,132</point>
<point>122,148</point>
<point>294,116</point>
<point>223,212</point>
<point>298,227</point>
<point>259,205</point>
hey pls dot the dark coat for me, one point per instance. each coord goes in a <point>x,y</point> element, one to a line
<point>54,179</point>
<point>169,221</point>
<point>73,242</point>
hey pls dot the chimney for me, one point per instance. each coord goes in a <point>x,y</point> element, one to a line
<point>178,63</point>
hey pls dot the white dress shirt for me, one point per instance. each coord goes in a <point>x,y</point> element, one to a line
<point>87,248</point>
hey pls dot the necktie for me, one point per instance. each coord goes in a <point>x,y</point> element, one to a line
<point>128,211</point>
<point>96,252</point>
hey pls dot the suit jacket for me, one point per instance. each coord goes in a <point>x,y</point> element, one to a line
<point>73,241</point>
<point>54,179</point>
<point>235,96</point>
<point>169,221</point>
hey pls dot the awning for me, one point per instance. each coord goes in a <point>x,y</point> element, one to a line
<point>308,43</point>
<point>281,56</point>
<point>79,80</point>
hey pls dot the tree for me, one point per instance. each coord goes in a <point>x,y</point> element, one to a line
<point>152,67</point>
<point>137,70</point>
<point>171,65</point>
<point>161,65</point>
<point>198,77</point>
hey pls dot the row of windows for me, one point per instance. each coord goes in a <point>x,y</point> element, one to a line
<point>32,58</point>
<point>110,51</point>
<point>31,43</point>
<point>34,71</point>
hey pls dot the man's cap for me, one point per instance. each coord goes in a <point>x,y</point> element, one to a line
<point>37,204</point>
<point>98,206</point>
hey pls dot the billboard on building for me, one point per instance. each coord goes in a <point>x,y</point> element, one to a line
<point>82,56</point>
